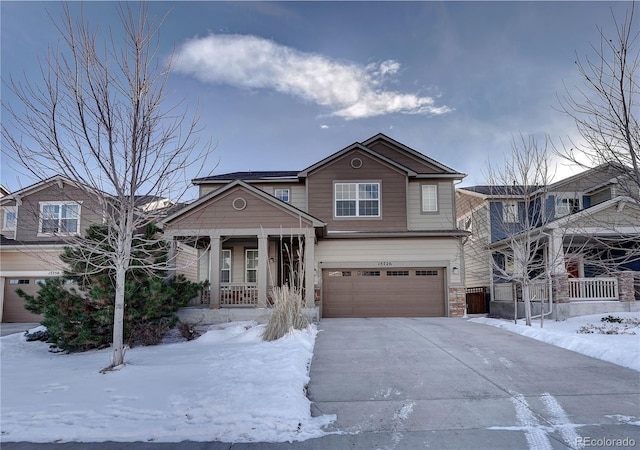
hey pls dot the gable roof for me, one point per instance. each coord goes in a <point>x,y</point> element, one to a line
<point>598,176</point>
<point>59,179</point>
<point>289,176</point>
<point>414,153</point>
<point>360,147</point>
<point>259,192</point>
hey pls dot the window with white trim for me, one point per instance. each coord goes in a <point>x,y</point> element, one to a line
<point>225,266</point>
<point>357,199</point>
<point>59,218</point>
<point>509,212</point>
<point>429,198</point>
<point>10,218</point>
<point>251,266</point>
<point>282,194</point>
<point>567,205</point>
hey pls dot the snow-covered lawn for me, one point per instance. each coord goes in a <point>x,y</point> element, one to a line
<point>621,349</point>
<point>228,385</point>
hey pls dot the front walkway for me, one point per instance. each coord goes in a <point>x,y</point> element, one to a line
<point>449,383</point>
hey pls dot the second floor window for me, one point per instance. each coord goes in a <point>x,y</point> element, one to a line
<point>357,199</point>
<point>282,194</point>
<point>429,198</point>
<point>59,218</point>
<point>565,205</point>
<point>10,216</point>
<point>510,212</point>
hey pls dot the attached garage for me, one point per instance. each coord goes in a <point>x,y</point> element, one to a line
<point>13,304</point>
<point>397,292</point>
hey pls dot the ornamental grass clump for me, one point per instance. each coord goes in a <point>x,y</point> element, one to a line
<point>288,300</point>
<point>287,313</point>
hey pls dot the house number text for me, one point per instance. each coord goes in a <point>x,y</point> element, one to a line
<point>384,264</point>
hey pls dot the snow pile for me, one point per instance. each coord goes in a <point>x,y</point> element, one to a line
<point>228,385</point>
<point>620,349</point>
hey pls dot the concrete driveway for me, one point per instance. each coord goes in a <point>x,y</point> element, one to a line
<point>450,383</point>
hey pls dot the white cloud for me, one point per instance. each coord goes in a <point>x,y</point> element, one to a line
<point>350,90</point>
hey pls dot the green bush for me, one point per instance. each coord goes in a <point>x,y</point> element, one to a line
<point>78,307</point>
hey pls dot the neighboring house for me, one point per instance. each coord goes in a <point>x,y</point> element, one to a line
<point>588,232</point>
<point>372,228</point>
<point>35,221</point>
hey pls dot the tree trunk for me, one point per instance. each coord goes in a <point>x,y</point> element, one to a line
<point>118,319</point>
<point>527,304</point>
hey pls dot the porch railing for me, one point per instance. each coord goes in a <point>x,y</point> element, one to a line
<point>238,294</point>
<point>584,289</point>
<point>503,292</point>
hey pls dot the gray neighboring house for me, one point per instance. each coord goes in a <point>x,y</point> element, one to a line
<point>372,227</point>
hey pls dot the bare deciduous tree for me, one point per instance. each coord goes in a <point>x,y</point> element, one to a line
<point>506,243</point>
<point>98,116</point>
<point>605,108</point>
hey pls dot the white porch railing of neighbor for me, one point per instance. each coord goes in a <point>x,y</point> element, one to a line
<point>539,291</point>
<point>583,289</point>
<point>238,294</point>
<point>503,292</point>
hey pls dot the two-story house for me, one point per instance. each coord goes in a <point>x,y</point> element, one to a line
<point>583,228</point>
<point>36,222</point>
<point>372,228</point>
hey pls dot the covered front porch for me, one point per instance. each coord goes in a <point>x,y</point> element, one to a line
<point>243,269</point>
<point>246,242</point>
<point>578,272</point>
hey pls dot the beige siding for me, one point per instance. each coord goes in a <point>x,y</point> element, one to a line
<point>31,260</point>
<point>444,219</point>
<point>297,192</point>
<point>477,264</point>
<point>220,213</point>
<point>187,262</point>
<point>601,196</point>
<point>204,189</point>
<point>609,218</point>
<point>393,193</point>
<point>466,202</point>
<point>431,252</point>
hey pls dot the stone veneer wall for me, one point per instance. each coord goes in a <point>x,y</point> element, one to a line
<point>457,301</point>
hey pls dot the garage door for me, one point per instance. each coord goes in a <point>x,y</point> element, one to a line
<point>13,307</point>
<point>383,292</point>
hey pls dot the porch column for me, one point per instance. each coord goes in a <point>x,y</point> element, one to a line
<point>309,269</point>
<point>626,291</point>
<point>263,263</point>
<point>214,272</point>
<point>556,253</point>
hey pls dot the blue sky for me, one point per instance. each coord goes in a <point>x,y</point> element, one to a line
<point>282,85</point>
